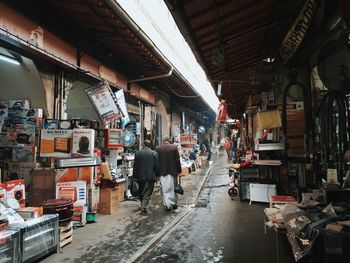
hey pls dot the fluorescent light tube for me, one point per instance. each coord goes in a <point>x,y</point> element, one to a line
<point>9,60</point>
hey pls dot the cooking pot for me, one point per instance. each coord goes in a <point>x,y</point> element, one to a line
<point>62,207</point>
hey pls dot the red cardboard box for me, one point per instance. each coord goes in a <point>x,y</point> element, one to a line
<point>16,189</point>
<point>2,190</point>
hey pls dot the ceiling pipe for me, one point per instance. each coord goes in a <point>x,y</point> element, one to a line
<point>166,75</point>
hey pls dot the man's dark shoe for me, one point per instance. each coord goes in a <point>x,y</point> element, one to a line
<point>144,211</point>
<point>168,209</point>
<point>175,207</point>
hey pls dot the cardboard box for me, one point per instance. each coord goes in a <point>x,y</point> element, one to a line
<point>24,154</point>
<point>67,175</point>
<point>30,212</point>
<point>18,108</point>
<point>83,142</point>
<point>25,133</point>
<point>6,153</point>
<point>109,202</point>
<point>7,139</point>
<point>75,191</point>
<point>3,190</point>
<point>87,174</point>
<point>121,190</point>
<point>93,198</point>
<point>269,120</point>
<point>16,189</point>
<point>79,216</point>
<point>56,143</point>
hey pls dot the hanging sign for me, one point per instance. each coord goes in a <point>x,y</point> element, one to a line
<point>121,101</point>
<point>104,101</point>
<point>295,35</point>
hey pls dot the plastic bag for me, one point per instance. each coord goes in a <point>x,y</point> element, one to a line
<point>135,188</point>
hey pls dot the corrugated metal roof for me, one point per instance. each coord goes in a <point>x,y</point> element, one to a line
<point>238,33</point>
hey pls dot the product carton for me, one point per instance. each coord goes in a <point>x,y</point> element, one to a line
<point>56,143</point>
<point>79,216</point>
<point>23,154</point>
<point>109,202</point>
<point>93,198</point>
<point>25,133</point>
<point>75,191</point>
<point>83,142</point>
<point>18,108</point>
<point>30,212</point>
<point>2,190</point>
<point>16,189</point>
<point>6,153</point>
<point>67,175</point>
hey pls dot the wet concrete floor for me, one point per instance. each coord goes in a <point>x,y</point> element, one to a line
<point>206,228</point>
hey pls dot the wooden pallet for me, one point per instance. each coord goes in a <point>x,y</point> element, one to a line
<point>66,235</point>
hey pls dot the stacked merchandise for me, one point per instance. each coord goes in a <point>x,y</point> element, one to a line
<point>71,144</point>
<point>115,171</point>
<point>19,128</point>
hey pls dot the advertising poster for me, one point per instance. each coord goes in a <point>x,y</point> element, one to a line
<point>105,102</point>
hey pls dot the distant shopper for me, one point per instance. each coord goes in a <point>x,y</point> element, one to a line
<point>228,147</point>
<point>146,171</point>
<point>169,170</point>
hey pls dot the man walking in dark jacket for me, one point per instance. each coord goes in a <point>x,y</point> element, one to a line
<point>146,171</point>
<point>169,170</point>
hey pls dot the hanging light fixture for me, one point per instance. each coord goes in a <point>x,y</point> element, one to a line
<point>219,88</point>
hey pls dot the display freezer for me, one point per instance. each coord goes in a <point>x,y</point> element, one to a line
<point>10,248</point>
<point>39,237</point>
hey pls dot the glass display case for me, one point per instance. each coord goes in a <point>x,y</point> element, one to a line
<point>39,237</point>
<point>10,248</point>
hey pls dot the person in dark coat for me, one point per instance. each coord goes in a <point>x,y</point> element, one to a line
<point>146,171</point>
<point>169,170</point>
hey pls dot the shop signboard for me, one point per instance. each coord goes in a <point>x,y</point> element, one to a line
<point>121,101</point>
<point>296,34</point>
<point>56,143</point>
<point>104,101</point>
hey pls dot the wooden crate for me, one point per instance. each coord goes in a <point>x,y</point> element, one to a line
<point>66,234</point>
